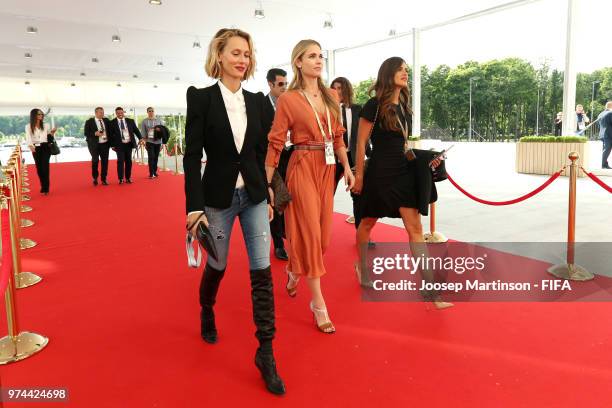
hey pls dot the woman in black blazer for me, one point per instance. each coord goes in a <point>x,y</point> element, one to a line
<point>227,122</point>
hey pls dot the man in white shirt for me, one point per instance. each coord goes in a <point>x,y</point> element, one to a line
<point>98,143</point>
<point>125,132</point>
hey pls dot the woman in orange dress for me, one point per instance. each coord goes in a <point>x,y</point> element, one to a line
<point>311,112</point>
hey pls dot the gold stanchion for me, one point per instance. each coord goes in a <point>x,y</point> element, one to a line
<point>10,173</point>
<point>176,168</point>
<point>17,345</point>
<point>164,152</point>
<point>142,159</point>
<point>433,237</point>
<point>570,270</point>
<point>22,279</point>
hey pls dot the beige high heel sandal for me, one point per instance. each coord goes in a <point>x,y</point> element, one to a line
<point>328,326</point>
<point>292,283</point>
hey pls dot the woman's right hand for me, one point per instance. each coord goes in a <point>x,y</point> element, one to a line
<point>358,186</point>
<point>192,218</point>
<point>32,148</point>
<point>271,194</point>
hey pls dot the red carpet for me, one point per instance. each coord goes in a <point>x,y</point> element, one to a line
<point>120,308</point>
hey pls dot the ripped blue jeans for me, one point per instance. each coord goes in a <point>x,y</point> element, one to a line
<point>255,229</point>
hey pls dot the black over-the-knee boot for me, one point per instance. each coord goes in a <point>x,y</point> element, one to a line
<point>209,285</point>
<point>263,315</point>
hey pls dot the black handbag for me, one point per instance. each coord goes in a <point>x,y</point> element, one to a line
<point>282,197</point>
<point>427,156</point>
<point>207,241</point>
<point>53,147</point>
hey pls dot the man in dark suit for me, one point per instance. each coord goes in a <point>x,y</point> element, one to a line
<point>605,133</point>
<point>124,134</point>
<point>97,135</point>
<point>277,81</point>
<point>349,113</point>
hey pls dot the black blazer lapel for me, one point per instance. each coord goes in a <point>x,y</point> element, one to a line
<point>226,134</point>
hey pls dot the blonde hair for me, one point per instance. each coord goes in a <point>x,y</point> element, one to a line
<point>297,83</point>
<point>216,47</point>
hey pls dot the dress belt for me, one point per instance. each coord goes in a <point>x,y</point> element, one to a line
<point>310,146</point>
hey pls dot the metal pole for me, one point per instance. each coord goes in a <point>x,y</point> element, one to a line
<point>470,125</point>
<point>569,80</point>
<point>538,113</point>
<point>570,270</point>
<point>416,82</point>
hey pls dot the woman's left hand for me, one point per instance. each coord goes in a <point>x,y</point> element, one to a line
<point>349,178</point>
<point>435,163</point>
<point>53,131</point>
<point>270,213</point>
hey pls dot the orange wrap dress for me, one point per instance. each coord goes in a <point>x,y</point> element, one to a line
<point>308,217</point>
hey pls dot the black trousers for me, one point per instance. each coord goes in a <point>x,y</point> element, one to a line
<point>356,198</point>
<point>124,161</point>
<point>42,154</point>
<point>99,151</point>
<point>153,153</point>
<point>607,148</point>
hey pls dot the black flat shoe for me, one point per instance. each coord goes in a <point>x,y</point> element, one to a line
<point>120,181</point>
<point>267,366</point>
<point>104,183</point>
<point>129,181</point>
<point>281,254</point>
<point>95,182</point>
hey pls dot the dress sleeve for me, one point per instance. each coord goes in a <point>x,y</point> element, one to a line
<point>368,112</point>
<point>283,121</point>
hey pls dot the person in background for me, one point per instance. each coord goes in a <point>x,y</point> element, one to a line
<point>558,123</point>
<point>98,143</point>
<point>582,120</point>
<point>38,136</point>
<point>277,81</point>
<point>150,129</point>
<point>228,123</point>
<point>605,133</point>
<point>124,134</point>
<point>350,121</point>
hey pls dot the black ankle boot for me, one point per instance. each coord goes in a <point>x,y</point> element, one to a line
<point>211,278</point>
<point>262,296</point>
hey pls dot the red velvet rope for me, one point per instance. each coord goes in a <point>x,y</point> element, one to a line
<point>597,180</point>
<point>7,251</point>
<point>516,200</point>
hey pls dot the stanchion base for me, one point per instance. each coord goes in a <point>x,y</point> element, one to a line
<point>26,243</point>
<point>435,238</point>
<point>571,272</point>
<point>26,279</point>
<point>26,223</point>
<point>26,345</point>
<point>166,169</point>
<point>176,173</point>
<point>25,208</point>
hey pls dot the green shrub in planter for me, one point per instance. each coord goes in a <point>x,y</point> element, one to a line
<point>414,138</point>
<point>553,139</point>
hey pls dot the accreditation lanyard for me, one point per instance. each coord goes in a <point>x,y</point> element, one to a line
<point>404,126</point>
<point>329,141</point>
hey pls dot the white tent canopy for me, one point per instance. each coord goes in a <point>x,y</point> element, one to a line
<point>71,33</point>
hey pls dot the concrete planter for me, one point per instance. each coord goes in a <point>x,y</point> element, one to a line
<point>547,158</point>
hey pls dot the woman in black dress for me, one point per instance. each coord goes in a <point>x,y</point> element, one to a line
<point>391,187</point>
